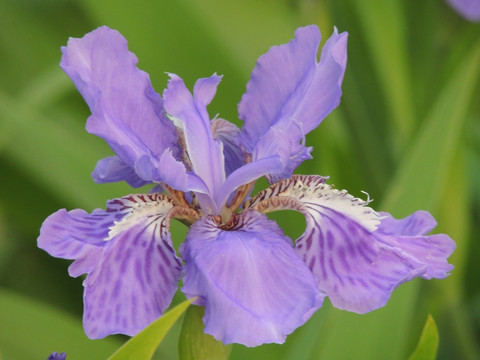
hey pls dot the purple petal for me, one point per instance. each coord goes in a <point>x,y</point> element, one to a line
<point>227,132</point>
<point>253,285</point>
<point>269,158</point>
<point>113,169</point>
<point>358,255</point>
<point>176,177</point>
<point>203,150</point>
<point>407,236</point>
<point>290,91</point>
<point>246,174</point>
<point>57,356</point>
<point>469,9</point>
<point>126,251</point>
<point>279,143</point>
<point>126,111</point>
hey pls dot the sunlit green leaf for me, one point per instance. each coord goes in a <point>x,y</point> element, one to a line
<point>194,344</point>
<point>143,345</point>
<point>428,343</point>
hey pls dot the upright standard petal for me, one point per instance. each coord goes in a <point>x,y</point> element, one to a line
<point>358,256</point>
<point>126,251</point>
<point>254,287</point>
<point>204,151</point>
<point>469,9</point>
<point>227,132</point>
<point>290,91</point>
<point>126,111</point>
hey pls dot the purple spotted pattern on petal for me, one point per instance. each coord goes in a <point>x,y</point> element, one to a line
<point>357,259</point>
<point>127,253</point>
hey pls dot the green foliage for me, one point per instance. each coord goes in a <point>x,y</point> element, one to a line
<point>194,344</point>
<point>143,345</point>
<point>428,343</point>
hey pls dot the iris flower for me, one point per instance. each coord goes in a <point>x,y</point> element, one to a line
<point>255,283</point>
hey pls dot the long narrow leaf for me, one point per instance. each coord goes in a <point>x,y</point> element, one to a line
<point>428,343</point>
<point>384,26</point>
<point>427,163</point>
<point>143,345</point>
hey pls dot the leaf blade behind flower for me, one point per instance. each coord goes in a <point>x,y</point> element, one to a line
<point>143,345</point>
<point>428,344</point>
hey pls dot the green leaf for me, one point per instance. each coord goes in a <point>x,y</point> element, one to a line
<point>384,25</point>
<point>428,343</point>
<point>194,344</point>
<point>143,345</point>
<point>33,330</point>
<point>427,162</point>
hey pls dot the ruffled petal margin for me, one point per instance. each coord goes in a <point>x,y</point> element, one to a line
<point>290,91</point>
<point>126,111</point>
<point>254,287</point>
<point>358,256</point>
<point>126,251</point>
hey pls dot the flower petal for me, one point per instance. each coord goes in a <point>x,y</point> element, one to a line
<point>254,287</point>
<point>227,132</point>
<point>126,111</point>
<point>358,255</point>
<point>246,174</point>
<point>127,253</point>
<point>113,169</point>
<point>290,91</point>
<point>469,9</point>
<point>204,152</point>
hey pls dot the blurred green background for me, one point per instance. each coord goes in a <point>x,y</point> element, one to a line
<point>407,131</point>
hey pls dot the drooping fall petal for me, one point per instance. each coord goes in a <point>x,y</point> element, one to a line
<point>358,256</point>
<point>254,286</point>
<point>127,254</point>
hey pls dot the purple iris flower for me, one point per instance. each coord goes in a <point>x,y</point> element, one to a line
<point>57,356</point>
<point>469,9</point>
<point>256,284</point>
